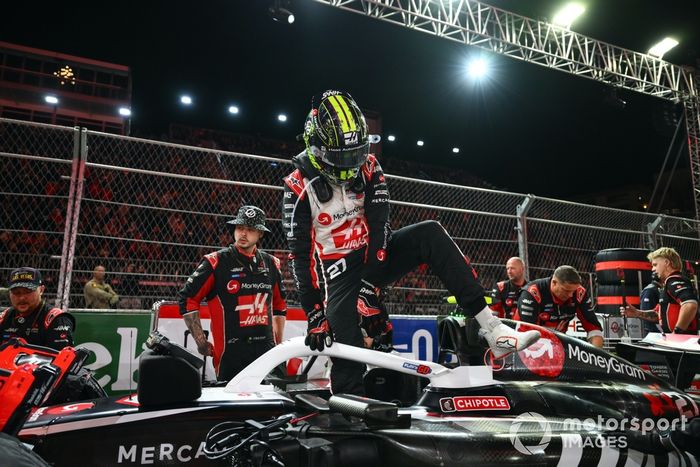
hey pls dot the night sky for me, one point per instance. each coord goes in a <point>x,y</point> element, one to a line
<point>526,129</point>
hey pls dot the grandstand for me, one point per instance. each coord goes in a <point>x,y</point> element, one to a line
<point>148,210</point>
<point>80,91</point>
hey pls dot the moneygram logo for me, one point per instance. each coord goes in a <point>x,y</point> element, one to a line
<point>525,430</point>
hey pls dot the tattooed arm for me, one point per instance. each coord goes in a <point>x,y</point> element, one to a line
<point>193,323</point>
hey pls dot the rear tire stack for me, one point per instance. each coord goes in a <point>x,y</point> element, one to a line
<point>634,263</point>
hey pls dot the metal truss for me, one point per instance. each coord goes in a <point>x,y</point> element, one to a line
<point>692,123</point>
<point>476,24</point>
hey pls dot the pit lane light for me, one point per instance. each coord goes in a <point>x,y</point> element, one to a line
<point>185,99</point>
<point>125,111</point>
<point>49,99</point>
<point>659,49</point>
<point>568,14</point>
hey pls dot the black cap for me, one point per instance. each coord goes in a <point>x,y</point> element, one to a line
<point>28,278</point>
<point>252,216</point>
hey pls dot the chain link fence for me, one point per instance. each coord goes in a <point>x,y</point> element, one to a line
<point>148,211</point>
<point>36,165</point>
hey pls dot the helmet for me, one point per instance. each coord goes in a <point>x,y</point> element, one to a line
<point>252,216</point>
<point>336,136</point>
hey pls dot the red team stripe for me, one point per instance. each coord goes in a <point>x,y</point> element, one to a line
<point>607,265</point>
<point>633,300</point>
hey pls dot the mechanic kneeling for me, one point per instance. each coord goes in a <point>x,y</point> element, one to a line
<point>554,301</point>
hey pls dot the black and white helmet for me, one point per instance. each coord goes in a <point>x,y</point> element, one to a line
<point>252,216</point>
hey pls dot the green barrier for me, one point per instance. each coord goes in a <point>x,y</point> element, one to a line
<point>116,338</point>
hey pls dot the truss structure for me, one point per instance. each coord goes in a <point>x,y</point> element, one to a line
<point>472,23</point>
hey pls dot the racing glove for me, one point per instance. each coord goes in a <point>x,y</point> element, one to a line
<point>384,341</point>
<point>372,313</point>
<point>319,334</point>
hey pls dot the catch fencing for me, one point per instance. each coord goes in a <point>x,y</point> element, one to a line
<point>149,210</point>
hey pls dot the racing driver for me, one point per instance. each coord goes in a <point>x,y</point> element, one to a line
<point>336,211</point>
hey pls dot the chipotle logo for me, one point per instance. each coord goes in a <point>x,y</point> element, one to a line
<point>546,356</point>
<point>474,403</point>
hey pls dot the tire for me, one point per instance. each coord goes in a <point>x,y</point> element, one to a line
<point>609,298</point>
<point>632,261</point>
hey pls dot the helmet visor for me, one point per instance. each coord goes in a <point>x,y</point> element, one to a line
<point>343,158</point>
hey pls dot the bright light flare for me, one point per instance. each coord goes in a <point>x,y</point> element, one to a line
<point>567,15</point>
<point>477,68</point>
<point>186,100</point>
<point>660,49</point>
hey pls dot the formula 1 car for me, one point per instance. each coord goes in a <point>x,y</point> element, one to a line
<point>559,402</point>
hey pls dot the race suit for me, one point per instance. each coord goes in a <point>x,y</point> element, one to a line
<point>505,299</point>
<point>46,326</point>
<point>538,305</point>
<point>243,293</point>
<point>677,291</point>
<point>346,228</point>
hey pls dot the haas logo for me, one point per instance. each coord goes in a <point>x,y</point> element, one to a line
<point>351,235</point>
<point>252,310</point>
<point>324,218</point>
<point>351,137</point>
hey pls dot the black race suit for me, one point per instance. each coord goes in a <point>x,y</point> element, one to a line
<point>347,229</point>
<point>538,305</point>
<point>243,293</point>
<point>677,291</point>
<point>46,326</point>
<point>505,298</point>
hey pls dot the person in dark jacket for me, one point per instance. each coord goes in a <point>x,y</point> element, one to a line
<point>678,302</point>
<point>504,296</point>
<point>554,301</point>
<point>31,317</point>
<point>243,290</point>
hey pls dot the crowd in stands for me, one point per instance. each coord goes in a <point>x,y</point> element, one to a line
<point>149,252</point>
